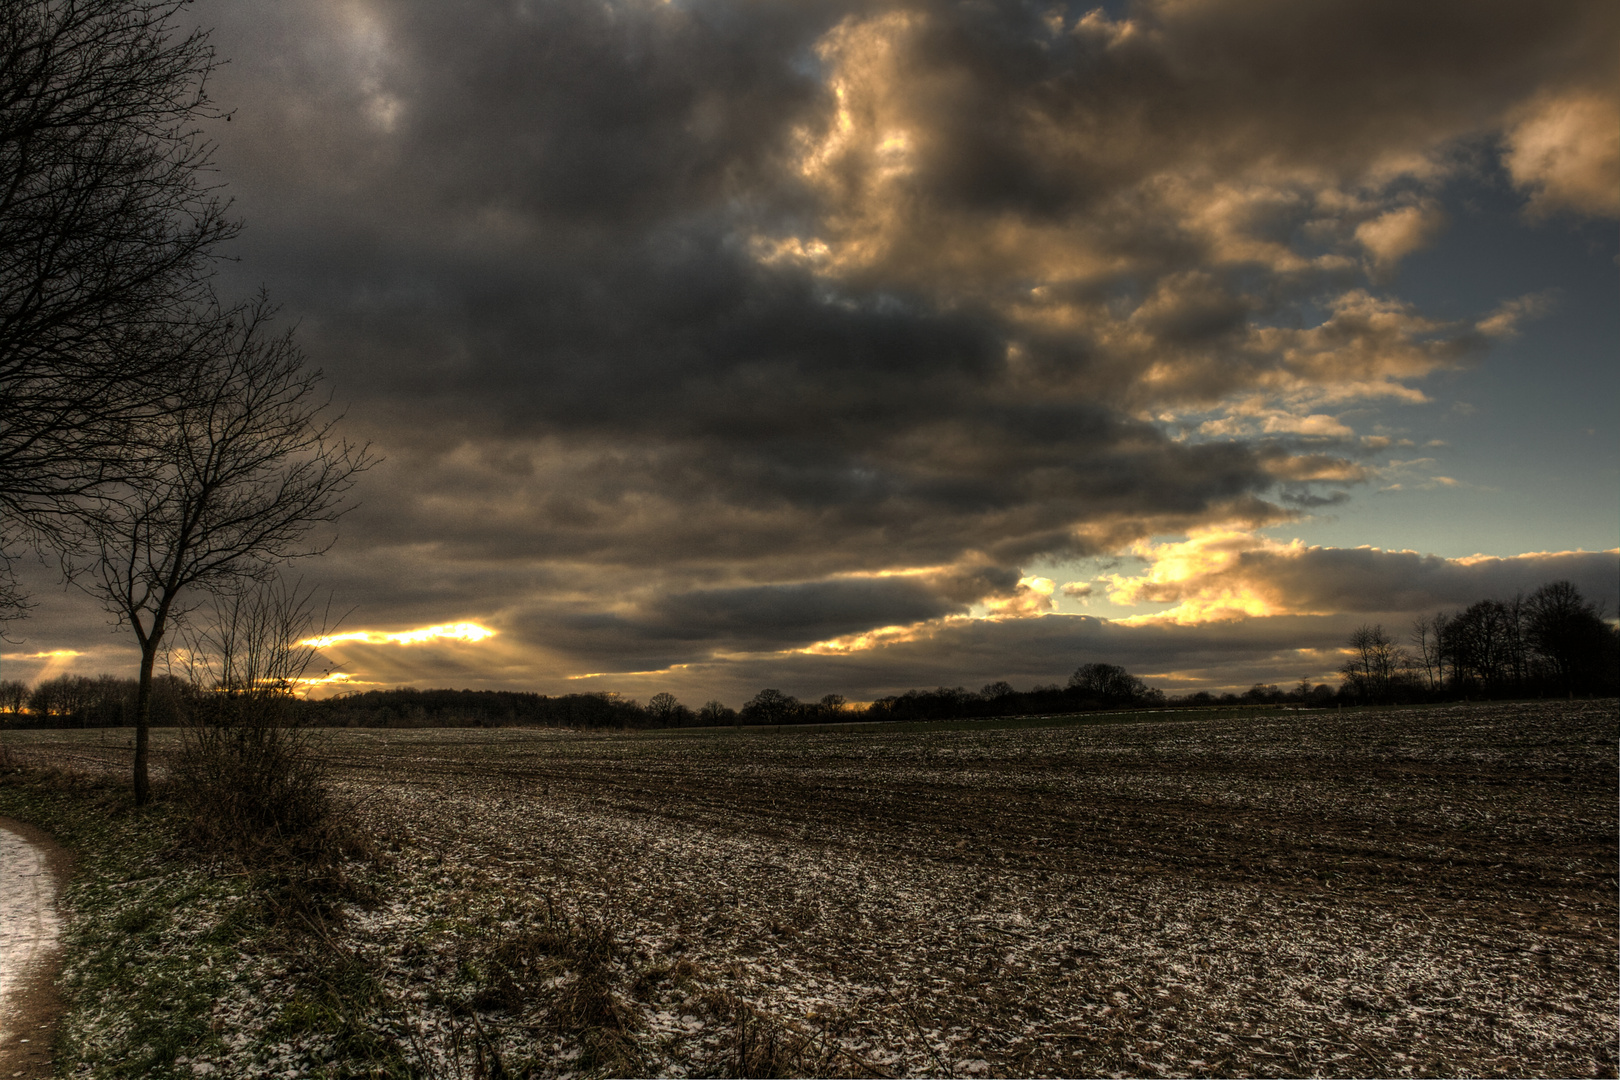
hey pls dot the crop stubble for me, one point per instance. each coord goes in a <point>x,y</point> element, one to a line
<point>1417,892</point>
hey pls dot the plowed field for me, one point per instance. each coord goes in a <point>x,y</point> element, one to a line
<point>1419,892</point>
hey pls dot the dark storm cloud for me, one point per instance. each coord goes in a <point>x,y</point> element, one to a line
<point>758,617</point>
<point>1368,580</point>
<point>665,316</point>
<point>1027,114</point>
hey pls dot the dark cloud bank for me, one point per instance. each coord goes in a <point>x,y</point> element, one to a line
<point>673,319</point>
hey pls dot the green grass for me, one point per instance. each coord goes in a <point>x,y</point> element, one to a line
<point>153,941</point>
<point>148,940</point>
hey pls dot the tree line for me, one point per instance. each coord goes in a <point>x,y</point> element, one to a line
<point>105,700</point>
<point>82,701</point>
<point>1553,642</point>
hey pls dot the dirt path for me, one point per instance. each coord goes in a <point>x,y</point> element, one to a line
<point>33,870</point>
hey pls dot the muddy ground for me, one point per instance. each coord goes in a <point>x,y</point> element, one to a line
<point>1423,892</point>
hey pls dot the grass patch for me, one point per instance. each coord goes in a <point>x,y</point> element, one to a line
<point>148,942</point>
<point>170,962</point>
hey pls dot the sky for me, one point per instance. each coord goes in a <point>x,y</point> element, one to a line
<point>849,347</point>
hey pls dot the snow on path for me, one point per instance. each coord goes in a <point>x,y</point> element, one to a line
<point>29,926</point>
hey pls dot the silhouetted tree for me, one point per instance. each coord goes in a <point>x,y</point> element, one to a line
<point>1378,666</point>
<point>1428,636</point>
<point>663,708</point>
<point>770,707</point>
<point>108,219</point>
<point>1568,636</point>
<point>1263,694</point>
<point>1484,647</point>
<point>1108,682</point>
<point>65,697</point>
<point>715,713</point>
<point>831,707</point>
<point>244,466</point>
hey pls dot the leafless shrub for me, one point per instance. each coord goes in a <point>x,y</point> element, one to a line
<point>254,790</point>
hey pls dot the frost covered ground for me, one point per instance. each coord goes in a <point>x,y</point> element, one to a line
<point>1422,892</point>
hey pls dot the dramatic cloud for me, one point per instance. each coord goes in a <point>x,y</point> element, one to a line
<point>1221,575</point>
<point>706,333</point>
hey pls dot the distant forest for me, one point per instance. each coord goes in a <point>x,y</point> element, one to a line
<point>1552,643</point>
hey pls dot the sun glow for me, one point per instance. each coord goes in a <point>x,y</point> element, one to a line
<point>461,631</point>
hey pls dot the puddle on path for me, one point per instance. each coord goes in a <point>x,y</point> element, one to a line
<point>30,879</point>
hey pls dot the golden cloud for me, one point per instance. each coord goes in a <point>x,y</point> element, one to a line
<point>1225,574</point>
<point>461,631</point>
<point>876,639</point>
<point>1392,236</point>
<point>1564,149</point>
<point>1197,575</point>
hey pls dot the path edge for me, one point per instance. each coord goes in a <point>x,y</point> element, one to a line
<point>38,1006</point>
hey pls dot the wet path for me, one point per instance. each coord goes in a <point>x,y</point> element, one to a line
<point>31,875</point>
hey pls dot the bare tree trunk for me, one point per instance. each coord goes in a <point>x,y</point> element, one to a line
<point>143,719</point>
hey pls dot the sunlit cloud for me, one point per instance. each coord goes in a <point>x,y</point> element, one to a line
<point>1033,596</point>
<point>857,318</point>
<point>1224,575</point>
<point>306,683</point>
<point>1505,320</point>
<point>461,631</point>
<point>878,638</point>
<point>1196,575</point>
<point>1564,150</point>
<point>672,669</point>
<point>53,654</point>
<point>1392,236</point>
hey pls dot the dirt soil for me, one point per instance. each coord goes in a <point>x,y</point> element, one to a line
<point>1415,892</point>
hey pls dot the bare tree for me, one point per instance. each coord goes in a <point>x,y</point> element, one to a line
<point>244,466</point>
<point>1484,646</point>
<point>663,708</point>
<point>1428,635</point>
<point>1566,633</point>
<point>108,219</point>
<point>1378,665</point>
<point>1110,682</point>
<point>250,773</point>
<point>770,706</point>
<point>715,712</point>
